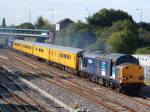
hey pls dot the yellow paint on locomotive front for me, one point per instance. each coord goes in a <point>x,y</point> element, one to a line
<point>131,73</point>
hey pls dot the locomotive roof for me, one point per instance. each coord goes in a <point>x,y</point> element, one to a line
<point>93,54</point>
<point>113,56</point>
<point>102,54</point>
<point>67,49</point>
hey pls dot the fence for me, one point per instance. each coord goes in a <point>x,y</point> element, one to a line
<point>144,61</point>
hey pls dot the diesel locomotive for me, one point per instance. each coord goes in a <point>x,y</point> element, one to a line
<point>117,71</point>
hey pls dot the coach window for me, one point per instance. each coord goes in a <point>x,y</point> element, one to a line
<point>64,56</point>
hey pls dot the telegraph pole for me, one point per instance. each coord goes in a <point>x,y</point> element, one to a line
<point>88,11</point>
<point>52,15</point>
<point>29,16</point>
<point>52,22</point>
<point>140,22</point>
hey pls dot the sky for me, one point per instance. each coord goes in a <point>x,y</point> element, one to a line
<point>17,11</point>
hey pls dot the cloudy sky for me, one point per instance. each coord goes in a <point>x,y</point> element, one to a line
<point>17,11</point>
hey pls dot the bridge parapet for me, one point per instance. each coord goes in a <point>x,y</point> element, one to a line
<point>24,32</point>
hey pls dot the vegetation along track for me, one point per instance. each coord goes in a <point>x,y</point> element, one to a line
<point>24,104</point>
<point>68,82</point>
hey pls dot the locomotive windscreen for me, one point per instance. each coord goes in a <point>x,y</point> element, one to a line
<point>126,59</point>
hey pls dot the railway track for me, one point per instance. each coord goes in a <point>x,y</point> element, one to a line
<point>40,68</point>
<point>74,89</point>
<point>19,100</point>
<point>26,105</point>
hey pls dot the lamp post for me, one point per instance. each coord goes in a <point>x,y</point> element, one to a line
<point>88,12</point>
<point>29,16</point>
<point>140,21</point>
<point>52,15</point>
<point>52,37</point>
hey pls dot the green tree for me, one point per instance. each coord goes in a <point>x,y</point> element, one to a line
<point>26,26</point>
<point>3,23</point>
<point>47,25</point>
<point>123,42</point>
<point>143,50</point>
<point>42,23</point>
<point>106,17</point>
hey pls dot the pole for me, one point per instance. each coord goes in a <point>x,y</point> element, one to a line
<point>53,30</point>
<point>88,12</point>
<point>52,15</point>
<point>140,35</point>
<point>141,24</point>
<point>29,16</point>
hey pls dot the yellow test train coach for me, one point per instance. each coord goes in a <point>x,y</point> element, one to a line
<point>52,53</point>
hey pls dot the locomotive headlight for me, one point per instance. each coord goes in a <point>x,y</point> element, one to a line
<point>125,78</point>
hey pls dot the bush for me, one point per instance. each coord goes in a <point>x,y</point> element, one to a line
<point>144,50</point>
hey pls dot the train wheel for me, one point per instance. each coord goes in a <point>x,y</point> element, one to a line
<point>107,84</point>
<point>112,86</point>
<point>118,88</point>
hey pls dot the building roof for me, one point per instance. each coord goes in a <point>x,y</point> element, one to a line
<point>65,20</point>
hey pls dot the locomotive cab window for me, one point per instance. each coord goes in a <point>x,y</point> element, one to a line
<point>126,59</point>
<point>90,61</point>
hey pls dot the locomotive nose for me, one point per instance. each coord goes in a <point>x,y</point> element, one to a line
<point>132,73</point>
